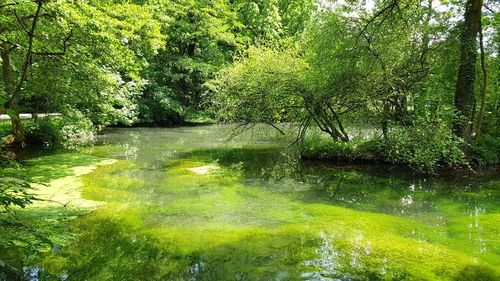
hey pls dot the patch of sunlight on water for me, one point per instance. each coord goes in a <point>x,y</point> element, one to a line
<point>185,204</point>
<point>66,190</point>
<point>203,170</point>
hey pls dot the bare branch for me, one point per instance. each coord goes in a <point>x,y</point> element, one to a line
<point>61,53</point>
<point>488,8</point>
<point>275,127</point>
<point>21,23</point>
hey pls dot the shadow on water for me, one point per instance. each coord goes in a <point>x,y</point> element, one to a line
<point>371,189</point>
<point>180,206</point>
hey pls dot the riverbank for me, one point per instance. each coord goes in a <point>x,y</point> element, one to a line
<point>417,151</point>
<point>425,154</point>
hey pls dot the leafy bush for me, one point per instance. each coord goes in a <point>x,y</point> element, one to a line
<point>69,132</point>
<point>160,108</point>
<point>264,86</point>
<point>4,128</point>
<point>358,150</point>
<point>424,146</point>
<point>487,150</point>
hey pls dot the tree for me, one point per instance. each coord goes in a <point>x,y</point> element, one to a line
<point>201,38</point>
<point>465,101</point>
<point>266,86</point>
<point>100,75</point>
<point>19,26</point>
<point>76,57</point>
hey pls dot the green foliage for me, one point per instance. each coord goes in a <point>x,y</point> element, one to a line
<point>487,147</point>
<point>86,56</point>
<point>69,132</point>
<point>264,86</point>
<point>339,64</point>
<point>4,128</point>
<point>365,73</point>
<point>100,73</point>
<point>424,146</point>
<point>201,39</point>
<point>487,150</point>
<point>14,191</point>
<point>318,146</point>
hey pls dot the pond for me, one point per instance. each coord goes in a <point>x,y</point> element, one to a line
<point>189,204</point>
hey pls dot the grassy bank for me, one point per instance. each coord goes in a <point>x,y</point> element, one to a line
<point>416,148</point>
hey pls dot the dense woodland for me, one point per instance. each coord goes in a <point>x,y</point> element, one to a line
<point>415,71</point>
<point>418,79</point>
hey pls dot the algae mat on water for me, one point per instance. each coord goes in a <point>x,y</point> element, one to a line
<point>179,204</point>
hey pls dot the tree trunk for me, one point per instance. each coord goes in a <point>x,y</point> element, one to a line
<point>13,91</point>
<point>17,132</point>
<point>465,101</point>
<point>402,116</point>
<point>484,86</point>
<point>18,136</point>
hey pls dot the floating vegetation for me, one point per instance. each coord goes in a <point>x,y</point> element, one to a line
<point>218,211</point>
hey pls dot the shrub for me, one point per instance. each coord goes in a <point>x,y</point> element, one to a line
<point>424,146</point>
<point>69,132</point>
<point>319,146</point>
<point>5,128</point>
<point>486,150</point>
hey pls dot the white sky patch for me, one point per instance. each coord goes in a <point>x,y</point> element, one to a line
<point>369,5</point>
<point>438,6</point>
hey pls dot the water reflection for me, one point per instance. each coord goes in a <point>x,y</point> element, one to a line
<point>183,205</point>
<point>340,261</point>
<point>326,262</point>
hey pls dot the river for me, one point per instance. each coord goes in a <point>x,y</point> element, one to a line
<point>189,204</point>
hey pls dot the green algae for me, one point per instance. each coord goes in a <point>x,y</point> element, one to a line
<point>44,226</point>
<point>258,214</point>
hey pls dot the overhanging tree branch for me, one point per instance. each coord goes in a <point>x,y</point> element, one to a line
<point>60,53</point>
<point>27,59</point>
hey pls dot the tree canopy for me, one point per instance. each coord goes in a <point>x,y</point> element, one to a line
<point>388,64</point>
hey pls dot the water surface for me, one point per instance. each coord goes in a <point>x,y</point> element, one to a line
<point>187,204</point>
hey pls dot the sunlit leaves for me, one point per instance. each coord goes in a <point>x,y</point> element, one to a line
<point>266,86</point>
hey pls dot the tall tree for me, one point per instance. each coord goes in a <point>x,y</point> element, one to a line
<point>25,29</point>
<point>465,101</point>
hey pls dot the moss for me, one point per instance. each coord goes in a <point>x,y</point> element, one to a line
<point>253,219</point>
<point>46,168</point>
<point>227,230</point>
